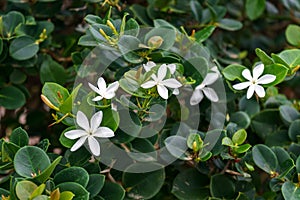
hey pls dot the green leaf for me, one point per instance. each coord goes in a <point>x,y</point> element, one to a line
<point>1,46</point>
<point>128,45</point>
<point>291,57</point>
<point>233,72</point>
<point>292,34</point>
<point>132,27</point>
<point>243,148</point>
<point>265,59</point>
<point>227,142</point>
<point>8,151</point>
<point>288,114</point>
<point>19,137</point>
<point>249,106</point>
<point>255,8</point>
<point>177,146</point>
<point>142,150</point>
<point>143,185</point>
<point>67,105</point>
<point>264,158</point>
<point>290,191</point>
<point>190,184</point>
<point>17,77</point>
<point>222,186</point>
<point>72,174</point>
<point>51,71</point>
<point>66,195</point>
<point>167,34</point>
<point>141,14</point>
<point>9,22</point>
<point>266,122</point>
<point>11,97</point>
<point>241,119</point>
<point>204,33</point>
<point>95,184</point>
<point>38,191</point>
<point>294,130</point>
<point>239,137</point>
<point>280,71</point>
<point>112,191</point>
<point>23,48</point>
<point>56,93</point>
<point>24,189</point>
<point>196,10</point>
<point>229,24</point>
<point>48,171</point>
<point>80,193</point>
<point>194,138</point>
<point>31,161</point>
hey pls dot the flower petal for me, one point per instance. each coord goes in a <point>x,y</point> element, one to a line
<point>176,91</point>
<point>162,91</point>
<point>265,79</point>
<point>96,121</point>
<point>210,78</point>
<point>149,65</point>
<point>109,95</point>
<point>104,132</point>
<point>148,84</point>
<point>257,71</point>
<point>101,85</point>
<point>97,98</point>
<point>112,87</point>
<point>94,146</point>
<point>250,91</point>
<point>196,98</point>
<point>247,74</point>
<point>172,68</point>
<point>78,143</point>
<point>171,83</point>
<point>74,134</point>
<point>241,86</point>
<point>162,72</point>
<point>95,89</point>
<point>210,94</point>
<point>82,121</point>
<point>260,91</point>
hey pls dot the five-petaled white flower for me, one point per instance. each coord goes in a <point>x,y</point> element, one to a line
<point>254,81</point>
<point>158,80</point>
<point>89,131</point>
<point>150,64</point>
<point>210,93</point>
<point>106,93</point>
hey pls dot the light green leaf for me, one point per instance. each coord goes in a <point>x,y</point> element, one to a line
<point>255,8</point>
<point>292,34</point>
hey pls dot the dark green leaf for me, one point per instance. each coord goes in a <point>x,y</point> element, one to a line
<point>265,158</point>
<point>222,186</point>
<point>23,48</point>
<point>112,191</point>
<point>204,33</point>
<point>19,137</point>
<point>233,72</point>
<point>95,184</point>
<point>255,8</point>
<point>78,190</point>
<point>11,97</point>
<point>229,24</point>
<point>72,174</point>
<point>290,191</point>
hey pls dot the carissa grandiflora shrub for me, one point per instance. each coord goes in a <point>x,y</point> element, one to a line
<point>149,100</point>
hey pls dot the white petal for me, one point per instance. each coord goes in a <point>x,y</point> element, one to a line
<point>96,121</point>
<point>78,143</point>
<point>172,68</point>
<point>162,72</point>
<point>104,132</point>
<point>82,121</point>
<point>250,91</point>
<point>215,69</point>
<point>210,78</point>
<point>74,134</point>
<point>247,74</point>
<point>197,96</point>
<point>94,146</point>
<point>171,83</point>
<point>257,71</point>
<point>210,94</point>
<point>97,98</point>
<point>113,87</point>
<point>95,89</point>
<point>101,85</point>
<point>260,91</point>
<point>176,91</point>
<point>265,79</point>
<point>162,91</point>
<point>149,65</point>
<point>148,84</point>
<point>109,95</point>
<point>241,86</point>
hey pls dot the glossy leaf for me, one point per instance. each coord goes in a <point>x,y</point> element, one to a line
<point>292,34</point>
<point>11,97</point>
<point>23,48</point>
<point>80,193</point>
<point>19,137</point>
<point>264,158</point>
<point>72,174</point>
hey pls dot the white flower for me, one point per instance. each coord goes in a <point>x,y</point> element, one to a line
<point>158,80</point>
<point>149,65</point>
<point>210,93</point>
<point>89,131</point>
<point>106,93</point>
<point>254,81</point>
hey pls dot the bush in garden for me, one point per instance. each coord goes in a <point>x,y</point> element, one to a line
<point>152,100</point>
